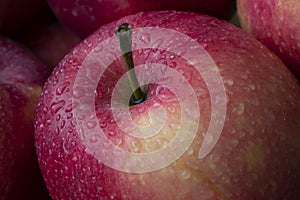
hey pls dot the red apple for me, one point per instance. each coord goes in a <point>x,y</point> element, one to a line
<point>84,17</point>
<point>21,78</point>
<point>50,42</point>
<point>276,24</point>
<point>220,120</point>
<point>20,14</point>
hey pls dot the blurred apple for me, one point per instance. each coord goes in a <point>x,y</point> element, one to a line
<point>84,17</point>
<point>276,24</point>
<point>21,79</point>
<point>17,15</point>
<point>50,42</point>
<point>87,149</point>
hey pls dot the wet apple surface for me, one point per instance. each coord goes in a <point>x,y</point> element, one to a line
<point>276,24</point>
<point>255,156</point>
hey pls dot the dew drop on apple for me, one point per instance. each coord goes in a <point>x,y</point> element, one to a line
<point>56,106</point>
<point>228,82</point>
<point>185,174</point>
<point>63,87</point>
<point>239,108</point>
<point>94,139</point>
<point>45,110</point>
<point>145,38</point>
<point>112,133</point>
<point>62,124</point>
<point>141,109</point>
<point>91,124</point>
<point>171,109</point>
<point>172,64</point>
<point>225,178</point>
<point>69,115</point>
<point>58,116</point>
<point>57,131</point>
<point>69,108</point>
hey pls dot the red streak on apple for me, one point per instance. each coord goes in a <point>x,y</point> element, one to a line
<point>276,24</point>
<point>21,78</point>
<point>256,156</point>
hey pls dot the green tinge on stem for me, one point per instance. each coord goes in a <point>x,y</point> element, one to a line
<point>123,33</point>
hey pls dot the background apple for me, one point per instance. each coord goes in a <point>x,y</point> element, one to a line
<point>256,156</point>
<point>50,42</point>
<point>90,15</point>
<point>21,78</point>
<point>276,24</point>
<point>17,15</point>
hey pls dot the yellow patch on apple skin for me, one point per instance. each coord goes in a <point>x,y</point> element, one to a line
<point>254,157</point>
<point>32,94</point>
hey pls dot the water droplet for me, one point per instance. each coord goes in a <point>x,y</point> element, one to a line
<point>135,146</point>
<point>98,94</point>
<point>45,110</point>
<point>91,125</point>
<point>172,57</point>
<point>173,64</point>
<point>62,88</point>
<point>58,116</point>
<point>185,174</point>
<point>162,142</point>
<point>252,87</point>
<point>112,133</point>
<point>57,131</point>
<point>68,146</point>
<point>228,82</point>
<point>56,106</point>
<point>226,179</point>
<point>94,139</point>
<point>200,92</point>
<point>141,109</point>
<point>118,141</point>
<point>145,38</point>
<point>69,115</point>
<point>69,108</point>
<point>142,180</point>
<point>63,123</point>
<point>239,109</point>
<point>171,109</point>
<point>103,125</point>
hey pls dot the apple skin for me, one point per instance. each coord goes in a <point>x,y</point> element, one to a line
<point>256,156</point>
<point>276,24</point>
<point>21,79</point>
<point>90,15</point>
<point>18,15</point>
<point>50,42</point>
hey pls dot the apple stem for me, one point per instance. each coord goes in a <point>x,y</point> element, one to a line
<point>123,33</point>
